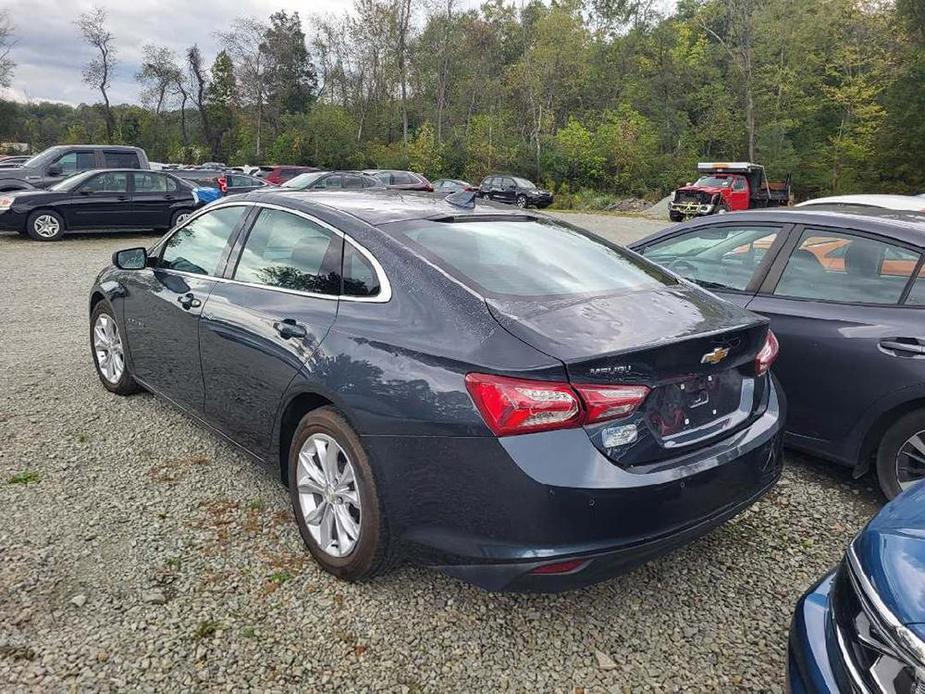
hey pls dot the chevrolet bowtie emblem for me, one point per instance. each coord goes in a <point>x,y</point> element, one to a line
<point>716,356</point>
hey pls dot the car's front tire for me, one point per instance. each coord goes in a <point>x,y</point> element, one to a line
<point>901,455</point>
<point>675,216</point>
<point>335,498</point>
<point>521,201</point>
<point>45,225</point>
<point>108,348</point>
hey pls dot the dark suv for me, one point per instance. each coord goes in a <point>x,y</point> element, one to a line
<point>56,163</point>
<point>515,191</point>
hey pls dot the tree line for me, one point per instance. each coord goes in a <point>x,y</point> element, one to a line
<point>591,97</point>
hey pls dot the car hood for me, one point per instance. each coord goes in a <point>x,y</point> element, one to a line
<point>576,329</point>
<point>28,196</point>
<point>891,553</point>
<point>17,172</point>
<point>702,189</point>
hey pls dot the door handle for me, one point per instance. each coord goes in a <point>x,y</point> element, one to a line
<point>908,346</point>
<point>289,328</point>
<point>168,197</point>
<point>189,301</point>
<point>122,197</point>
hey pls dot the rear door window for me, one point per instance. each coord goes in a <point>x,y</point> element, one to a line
<point>835,266</point>
<point>716,257</point>
<point>403,178</point>
<point>121,160</point>
<point>154,183</point>
<point>917,295</point>
<point>528,258</point>
<point>353,181</point>
<point>292,252</point>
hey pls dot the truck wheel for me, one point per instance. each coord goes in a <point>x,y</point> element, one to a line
<point>722,208</point>
<point>675,216</point>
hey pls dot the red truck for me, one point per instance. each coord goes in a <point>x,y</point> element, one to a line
<point>728,187</point>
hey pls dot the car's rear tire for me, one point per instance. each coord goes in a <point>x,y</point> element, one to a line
<point>45,225</point>
<point>521,201</point>
<point>335,498</point>
<point>901,455</point>
<point>108,348</point>
<point>179,217</point>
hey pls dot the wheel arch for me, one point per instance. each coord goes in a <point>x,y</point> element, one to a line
<point>96,297</point>
<point>878,428</point>
<point>299,405</point>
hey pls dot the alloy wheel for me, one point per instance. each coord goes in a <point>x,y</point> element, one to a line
<point>910,461</point>
<point>521,201</point>
<point>182,217</point>
<point>328,495</point>
<point>107,345</point>
<point>46,226</point>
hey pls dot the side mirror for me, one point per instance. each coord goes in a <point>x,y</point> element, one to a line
<point>130,259</point>
<point>54,170</point>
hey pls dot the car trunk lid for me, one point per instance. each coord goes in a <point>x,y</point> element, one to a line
<point>696,355</point>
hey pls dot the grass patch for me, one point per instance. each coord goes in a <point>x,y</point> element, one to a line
<point>25,477</point>
<point>174,563</point>
<point>248,632</point>
<point>206,629</point>
<point>280,577</point>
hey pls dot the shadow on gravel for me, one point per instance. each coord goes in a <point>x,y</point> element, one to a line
<point>835,475</point>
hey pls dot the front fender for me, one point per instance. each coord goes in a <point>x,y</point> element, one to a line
<point>8,185</point>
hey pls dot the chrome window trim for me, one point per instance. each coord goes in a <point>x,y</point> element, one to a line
<point>385,287</point>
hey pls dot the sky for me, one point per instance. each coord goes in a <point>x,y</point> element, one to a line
<point>49,52</point>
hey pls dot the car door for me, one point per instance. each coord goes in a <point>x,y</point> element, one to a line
<point>507,191</point>
<point>101,202</point>
<point>847,338</point>
<point>259,326</point>
<point>153,197</point>
<point>730,259</point>
<point>738,196</point>
<point>163,303</point>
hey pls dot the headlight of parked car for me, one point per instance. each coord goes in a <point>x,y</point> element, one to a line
<point>6,202</point>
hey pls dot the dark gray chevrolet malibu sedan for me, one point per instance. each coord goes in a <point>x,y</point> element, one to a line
<point>484,390</point>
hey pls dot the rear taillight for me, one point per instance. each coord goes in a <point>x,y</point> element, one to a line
<point>560,567</point>
<point>519,406</point>
<point>610,402</point>
<point>767,355</point>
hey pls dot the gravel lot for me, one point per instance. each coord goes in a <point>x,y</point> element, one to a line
<point>139,551</point>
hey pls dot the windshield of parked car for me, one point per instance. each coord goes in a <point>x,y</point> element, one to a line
<point>713,182</point>
<point>528,257</point>
<point>71,182</point>
<point>523,182</point>
<point>303,181</point>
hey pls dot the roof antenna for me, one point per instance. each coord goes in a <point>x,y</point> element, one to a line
<point>462,198</point>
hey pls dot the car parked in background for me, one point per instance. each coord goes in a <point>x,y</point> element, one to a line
<point>332,180</point>
<point>514,190</point>
<point>846,298</point>
<point>280,174</point>
<point>418,383</point>
<point>56,163</point>
<point>861,628</point>
<point>862,203</point>
<point>120,199</point>
<point>452,185</point>
<point>227,182</point>
<point>14,160</point>
<point>401,180</point>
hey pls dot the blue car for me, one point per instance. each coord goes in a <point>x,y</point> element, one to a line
<point>862,627</point>
<point>483,390</point>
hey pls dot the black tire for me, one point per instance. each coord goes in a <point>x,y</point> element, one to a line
<point>890,446</point>
<point>125,384</point>
<point>675,216</point>
<point>522,201</point>
<point>175,217</point>
<point>38,224</point>
<point>722,208</point>
<point>370,556</point>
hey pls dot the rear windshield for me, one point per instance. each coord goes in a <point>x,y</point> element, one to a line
<point>528,258</point>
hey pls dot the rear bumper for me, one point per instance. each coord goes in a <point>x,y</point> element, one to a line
<point>809,670</point>
<point>490,511</point>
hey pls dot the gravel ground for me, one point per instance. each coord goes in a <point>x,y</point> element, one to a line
<point>139,551</point>
<point>615,227</point>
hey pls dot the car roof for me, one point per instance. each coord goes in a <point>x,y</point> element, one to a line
<point>378,206</point>
<point>902,228</point>
<point>890,202</point>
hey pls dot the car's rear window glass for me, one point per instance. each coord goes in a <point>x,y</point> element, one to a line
<point>121,160</point>
<point>360,278</point>
<point>510,257</point>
